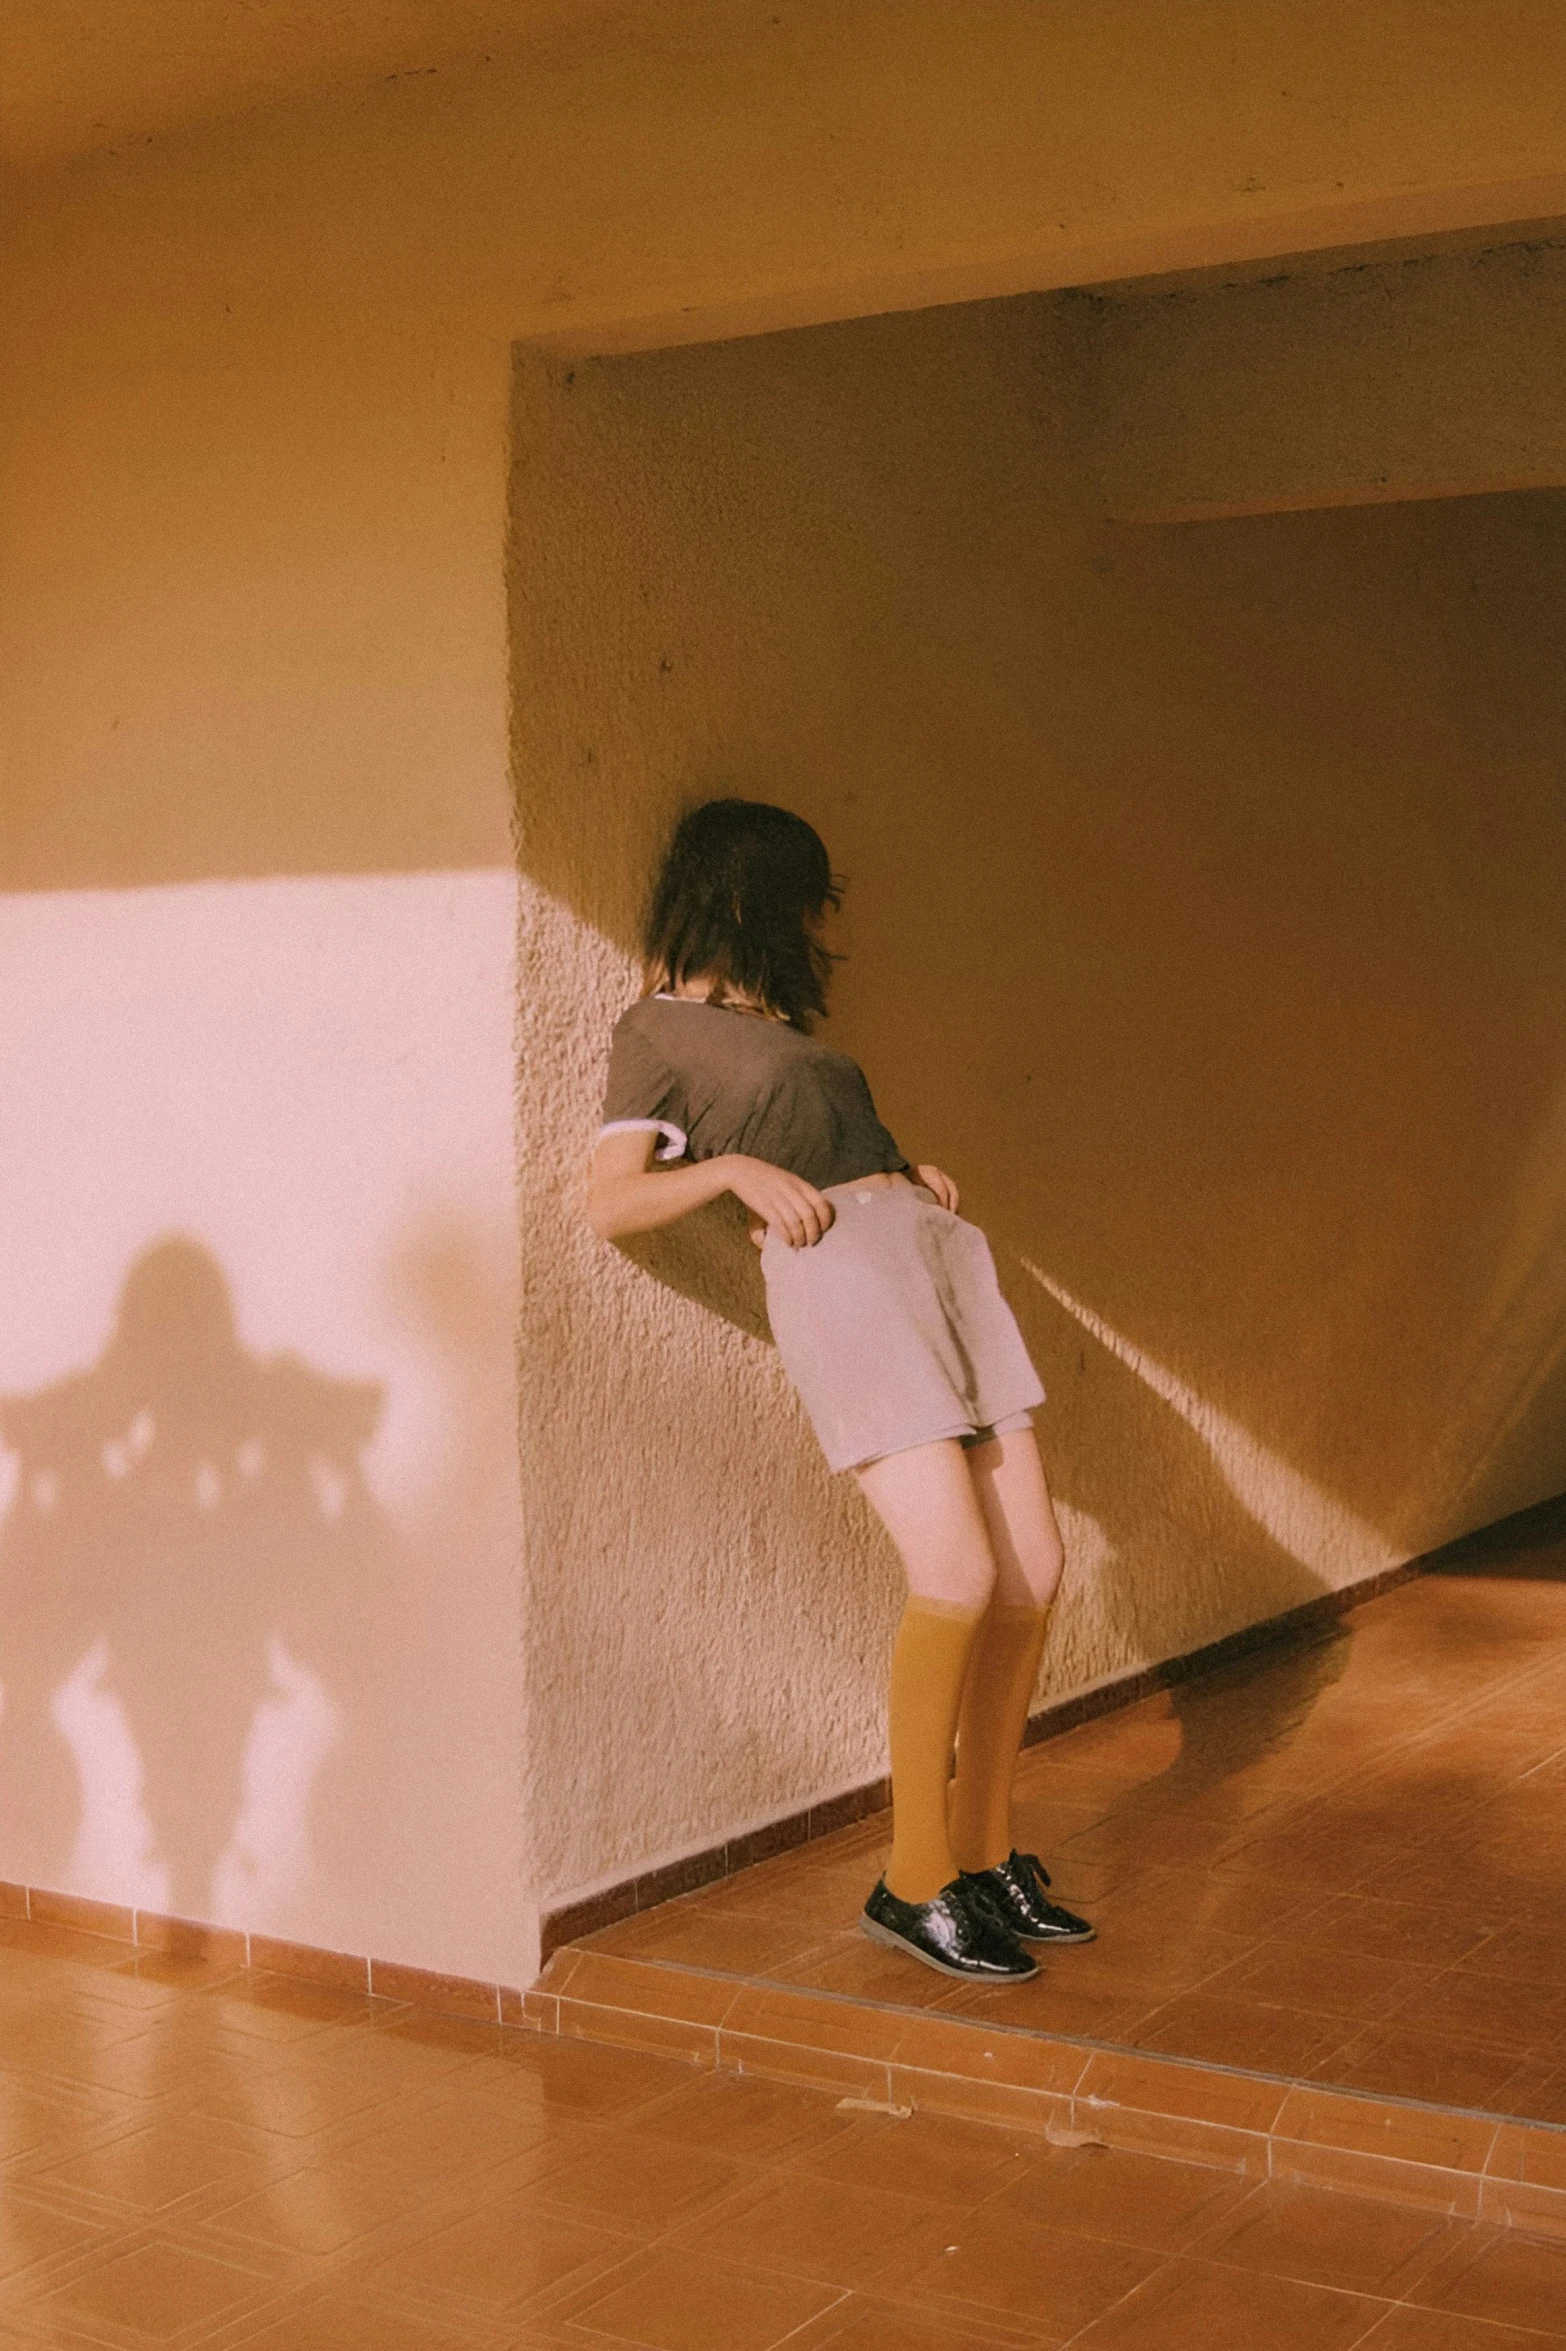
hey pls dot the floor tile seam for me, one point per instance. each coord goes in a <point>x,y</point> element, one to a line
<point>1391,1845</point>
<point>409,2106</point>
<point>179,2235</point>
<point>998,2329</point>
<point>1367,1770</point>
<point>1106,2235</point>
<point>232,2334</point>
<point>445,2306</point>
<point>930,2206</point>
<point>85,2261</point>
<point>408,2084</point>
<point>1348,2028</point>
<point>1385,2303</point>
<point>795,2271</point>
<point>35,2081</point>
<point>249,2326</point>
<point>789,2158</point>
<point>365,2246</point>
<point>648,2254</point>
<point>38,2303</point>
<point>307,2134</point>
<point>965,2309</point>
<point>1505,1688</point>
<point>1519,2058</point>
<point>1255,2191</point>
<point>1556,1756</point>
<point>121,2212</point>
<point>816,2320</point>
<point>488,2186</point>
<point>52,2202</point>
<point>1407,1969</point>
<point>174,2107</point>
<point>1440,1974</point>
<point>244,2327</point>
<point>1161,2269</point>
<point>34,2281</point>
<point>1448,2310</point>
<point>716,2205</point>
<point>217,2070</point>
<point>1469,1963</point>
<point>59,2337</point>
<point>1364,2021</point>
<point>771,2272</point>
<point>1382,2292</point>
<point>69,2149</point>
<point>297,2074</point>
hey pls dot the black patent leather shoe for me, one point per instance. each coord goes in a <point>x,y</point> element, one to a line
<point>1014,1894</point>
<point>953,1934</point>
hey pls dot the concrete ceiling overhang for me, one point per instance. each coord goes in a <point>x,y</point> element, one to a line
<point>105,74</point>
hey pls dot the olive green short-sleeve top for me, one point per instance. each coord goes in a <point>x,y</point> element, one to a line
<point>712,1078</point>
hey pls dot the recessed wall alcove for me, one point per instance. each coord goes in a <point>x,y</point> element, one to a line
<point>1203,919</point>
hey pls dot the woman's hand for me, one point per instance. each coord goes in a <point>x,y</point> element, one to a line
<point>941,1185</point>
<point>778,1202</point>
<point>626,1193</point>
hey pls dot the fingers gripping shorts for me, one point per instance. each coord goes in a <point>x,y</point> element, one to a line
<point>893,1329</point>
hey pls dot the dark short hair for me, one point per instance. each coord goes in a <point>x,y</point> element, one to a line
<point>738,881</point>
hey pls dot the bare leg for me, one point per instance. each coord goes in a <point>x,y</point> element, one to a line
<point>935,1512</point>
<point>1019,1518</point>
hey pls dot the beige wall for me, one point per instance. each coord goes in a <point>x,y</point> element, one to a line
<point>261,893</point>
<point>1356,379</point>
<point>1203,921</point>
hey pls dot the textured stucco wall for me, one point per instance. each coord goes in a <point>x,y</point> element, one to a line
<point>254,633</point>
<point>1429,374</point>
<point>1203,920</point>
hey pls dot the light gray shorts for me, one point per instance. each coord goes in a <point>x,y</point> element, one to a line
<point>893,1329</point>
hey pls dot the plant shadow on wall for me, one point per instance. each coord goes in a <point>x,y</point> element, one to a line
<point>190,1575</point>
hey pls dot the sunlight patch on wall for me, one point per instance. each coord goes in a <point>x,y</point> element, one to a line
<point>294,1729</point>
<point>258,1515</point>
<point>1312,1526</point>
<point>115,1854</point>
<point>1522,1326</point>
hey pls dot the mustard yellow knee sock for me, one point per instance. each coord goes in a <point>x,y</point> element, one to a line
<point>1001,1674</point>
<point>929,1665</point>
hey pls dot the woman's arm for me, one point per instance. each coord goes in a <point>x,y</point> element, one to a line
<point>627,1194</point>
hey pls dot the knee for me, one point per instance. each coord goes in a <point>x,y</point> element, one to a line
<point>968,1582</point>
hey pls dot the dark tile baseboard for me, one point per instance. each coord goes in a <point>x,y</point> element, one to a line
<point>607,1907</point>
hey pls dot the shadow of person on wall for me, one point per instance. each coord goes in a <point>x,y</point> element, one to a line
<point>188,1573</point>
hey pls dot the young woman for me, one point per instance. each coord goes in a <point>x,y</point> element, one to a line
<point>889,1321</point>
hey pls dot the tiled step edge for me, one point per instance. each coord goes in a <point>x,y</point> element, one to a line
<point>154,1934</point>
<point>1471,2165</point>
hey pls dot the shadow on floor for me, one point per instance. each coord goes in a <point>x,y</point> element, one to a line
<point>1531,1543</point>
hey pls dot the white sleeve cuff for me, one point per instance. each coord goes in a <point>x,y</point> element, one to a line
<point>675,1139</point>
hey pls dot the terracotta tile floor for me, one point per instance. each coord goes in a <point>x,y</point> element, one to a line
<point>195,2157</point>
<point>1340,1860</point>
